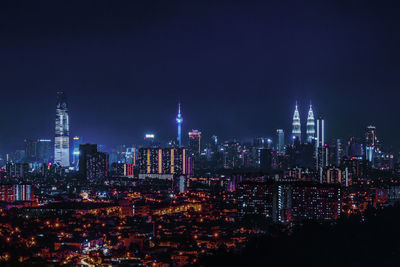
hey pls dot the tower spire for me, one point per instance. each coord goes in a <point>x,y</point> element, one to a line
<point>61,140</point>
<point>296,130</point>
<point>310,125</point>
<point>179,120</point>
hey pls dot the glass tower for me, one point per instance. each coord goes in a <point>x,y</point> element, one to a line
<point>61,141</point>
<point>281,141</point>
<point>310,126</point>
<point>296,130</point>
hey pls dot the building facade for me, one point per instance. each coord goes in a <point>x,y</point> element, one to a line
<point>163,162</point>
<point>310,126</point>
<point>296,125</point>
<point>61,141</point>
<point>194,142</point>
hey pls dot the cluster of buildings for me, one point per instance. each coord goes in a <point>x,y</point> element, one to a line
<point>172,204</point>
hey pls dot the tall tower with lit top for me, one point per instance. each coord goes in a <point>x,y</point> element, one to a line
<point>310,125</point>
<point>179,120</point>
<point>296,130</point>
<point>61,142</point>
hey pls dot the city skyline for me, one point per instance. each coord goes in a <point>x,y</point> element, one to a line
<point>304,117</point>
<point>199,133</point>
<point>264,58</point>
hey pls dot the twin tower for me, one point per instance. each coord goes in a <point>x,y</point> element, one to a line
<point>310,129</point>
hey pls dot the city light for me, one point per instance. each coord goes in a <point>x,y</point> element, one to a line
<point>288,154</point>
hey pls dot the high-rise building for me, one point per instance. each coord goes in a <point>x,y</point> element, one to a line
<point>61,142</point>
<point>77,141</point>
<point>96,166</point>
<point>31,150</point>
<point>44,150</point>
<point>320,132</point>
<point>92,164</point>
<point>130,155</point>
<point>339,152</point>
<point>38,151</point>
<point>296,130</point>
<point>194,142</point>
<point>370,143</point>
<point>179,120</point>
<point>307,201</point>
<point>355,148</point>
<point>255,198</point>
<point>17,169</point>
<point>16,192</point>
<point>263,159</point>
<point>310,126</point>
<point>84,151</point>
<point>163,162</point>
<point>123,169</point>
<point>370,136</point>
<point>281,141</point>
<point>262,142</point>
<point>149,140</point>
<point>321,153</point>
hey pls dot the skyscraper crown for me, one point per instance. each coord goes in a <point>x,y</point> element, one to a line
<point>296,130</point>
<point>61,100</point>
<point>310,125</point>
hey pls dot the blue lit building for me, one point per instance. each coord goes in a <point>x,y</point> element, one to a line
<point>179,120</point>
<point>77,140</point>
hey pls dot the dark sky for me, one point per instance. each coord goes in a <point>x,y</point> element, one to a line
<point>237,67</point>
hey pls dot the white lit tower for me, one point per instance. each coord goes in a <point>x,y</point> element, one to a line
<point>321,150</point>
<point>61,142</point>
<point>310,125</point>
<point>296,131</point>
<point>179,120</point>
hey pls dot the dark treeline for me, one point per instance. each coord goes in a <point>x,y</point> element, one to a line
<point>370,241</point>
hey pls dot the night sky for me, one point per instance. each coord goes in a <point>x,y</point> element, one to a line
<point>237,68</point>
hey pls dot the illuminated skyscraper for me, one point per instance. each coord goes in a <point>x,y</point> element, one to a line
<point>321,150</point>
<point>194,142</point>
<point>296,131</point>
<point>310,126</point>
<point>179,120</point>
<point>370,136</point>
<point>96,166</point>
<point>281,141</point>
<point>320,132</point>
<point>61,142</point>
<point>339,152</point>
<point>163,163</point>
<point>75,153</point>
<point>370,143</point>
<point>92,163</point>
